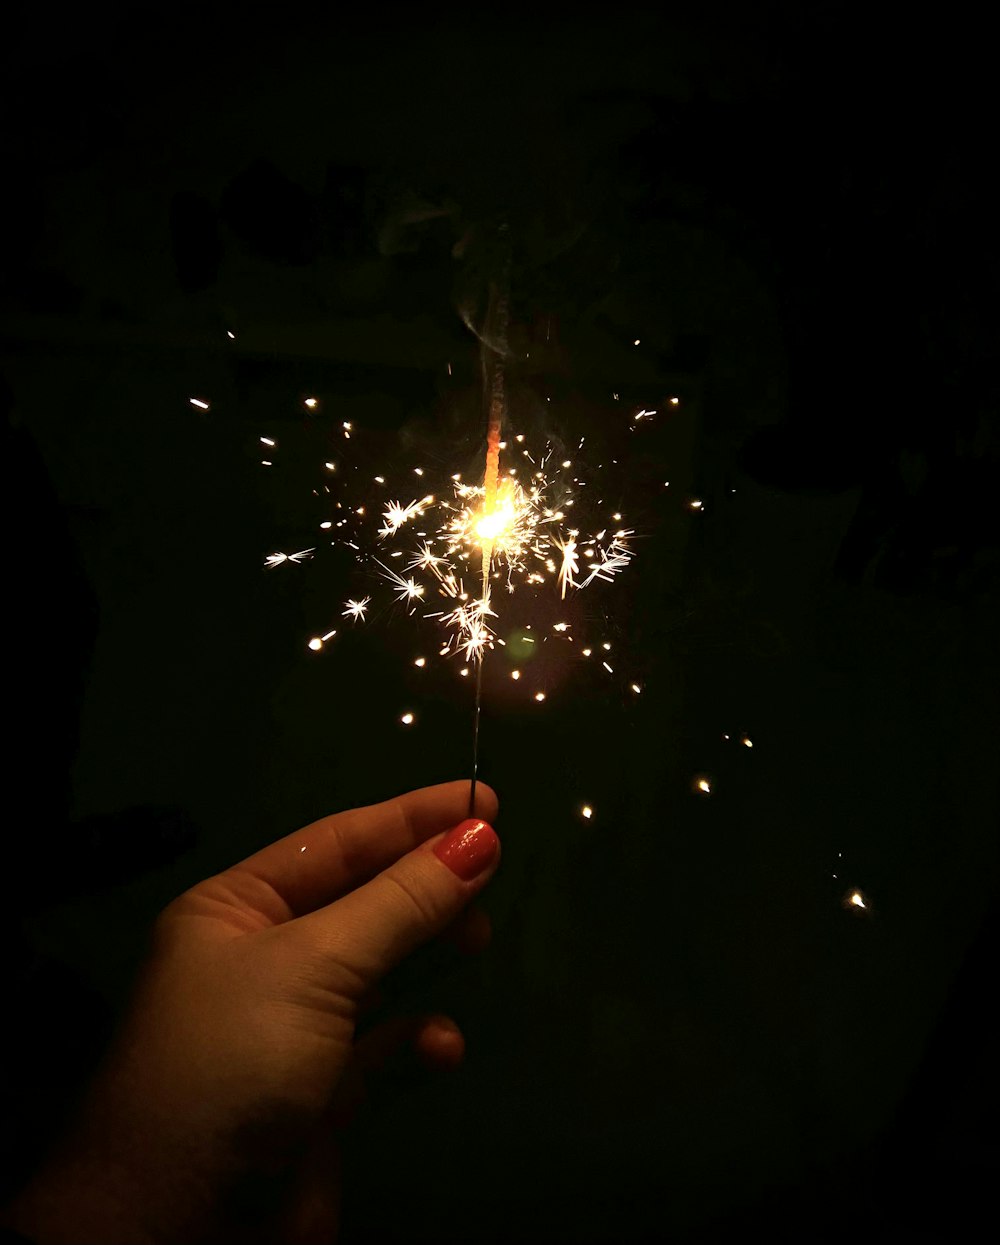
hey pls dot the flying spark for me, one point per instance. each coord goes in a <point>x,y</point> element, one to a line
<point>356,609</point>
<point>276,559</point>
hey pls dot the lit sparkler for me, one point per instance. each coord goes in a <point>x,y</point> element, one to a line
<point>465,547</point>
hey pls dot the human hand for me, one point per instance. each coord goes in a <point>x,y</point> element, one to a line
<point>216,1115</point>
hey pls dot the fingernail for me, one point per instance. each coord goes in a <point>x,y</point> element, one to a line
<point>469,849</point>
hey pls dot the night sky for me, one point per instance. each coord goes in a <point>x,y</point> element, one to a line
<point>680,1031</point>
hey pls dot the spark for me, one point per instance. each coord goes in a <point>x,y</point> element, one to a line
<point>539,696</point>
<point>515,675</point>
<point>704,786</point>
<point>674,401</point>
<point>396,514</point>
<point>747,743</point>
<point>607,667</point>
<point>407,719</point>
<point>636,688</point>
<point>570,567</point>
<point>275,559</point>
<point>405,589</point>
<point>587,811</point>
<point>316,644</point>
<point>696,505</point>
<point>203,406</point>
<point>266,441</point>
<point>636,342</point>
<point>356,609</point>
<point>587,652</point>
<point>231,335</point>
<point>311,403</point>
<point>264,463</point>
<point>613,560</point>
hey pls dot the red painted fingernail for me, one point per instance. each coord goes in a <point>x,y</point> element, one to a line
<point>469,849</point>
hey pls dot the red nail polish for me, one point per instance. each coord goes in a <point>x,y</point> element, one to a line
<point>469,848</point>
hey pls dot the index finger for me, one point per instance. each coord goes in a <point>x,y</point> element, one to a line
<point>317,864</point>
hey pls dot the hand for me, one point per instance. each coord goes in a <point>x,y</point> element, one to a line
<point>216,1115</point>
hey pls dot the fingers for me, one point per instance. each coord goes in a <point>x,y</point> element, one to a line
<point>439,1043</point>
<point>363,935</point>
<point>314,866</point>
<point>471,931</point>
<point>435,1040</point>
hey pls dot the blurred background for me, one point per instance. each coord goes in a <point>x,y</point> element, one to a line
<point>680,1029</point>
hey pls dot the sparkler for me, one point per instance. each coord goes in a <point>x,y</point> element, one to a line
<point>512,530</point>
<point>496,520</point>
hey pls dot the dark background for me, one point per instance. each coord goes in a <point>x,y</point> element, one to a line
<point>679,1029</point>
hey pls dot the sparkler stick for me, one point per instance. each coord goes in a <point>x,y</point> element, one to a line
<point>493,359</point>
<point>493,355</point>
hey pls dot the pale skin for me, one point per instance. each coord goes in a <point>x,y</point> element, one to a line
<point>218,1113</point>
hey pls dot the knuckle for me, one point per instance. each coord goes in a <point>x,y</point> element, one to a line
<point>411,896</point>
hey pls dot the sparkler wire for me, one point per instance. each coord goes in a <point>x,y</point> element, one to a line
<point>493,356</point>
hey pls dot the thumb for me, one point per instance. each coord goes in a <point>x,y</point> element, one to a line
<point>376,926</point>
